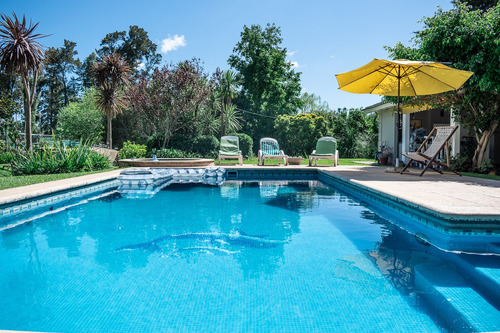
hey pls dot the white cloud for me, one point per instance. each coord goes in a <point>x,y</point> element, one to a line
<point>295,64</point>
<point>172,43</point>
<point>291,53</point>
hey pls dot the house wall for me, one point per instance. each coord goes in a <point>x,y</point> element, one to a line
<point>387,120</point>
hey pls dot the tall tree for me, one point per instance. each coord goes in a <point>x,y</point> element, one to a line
<point>85,74</point>
<point>21,53</point>
<point>58,85</point>
<point>112,75</point>
<point>473,47</point>
<point>270,86</point>
<point>228,88</point>
<point>135,46</point>
<point>312,103</point>
<point>171,100</point>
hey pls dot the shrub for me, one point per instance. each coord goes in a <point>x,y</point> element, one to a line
<point>246,144</point>
<point>171,153</point>
<point>485,167</point>
<point>81,120</point>
<point>155,141</point>
<point>461,162</point>
<point>205,145</point>
<point>297,135</point>
<point>6,157</point>
<point>132,150</point>
<point>58,159</point>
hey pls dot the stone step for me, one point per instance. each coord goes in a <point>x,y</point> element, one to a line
<point>463,308</point>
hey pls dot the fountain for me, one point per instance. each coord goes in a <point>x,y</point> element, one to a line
<point>144,183</point>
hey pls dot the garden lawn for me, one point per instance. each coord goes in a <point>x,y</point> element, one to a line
<point>9,181</point>
<point>342,161</point>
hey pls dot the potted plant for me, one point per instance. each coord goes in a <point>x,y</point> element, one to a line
<point>384,157</point>
<point>293,160</point>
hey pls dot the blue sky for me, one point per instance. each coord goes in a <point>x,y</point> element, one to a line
<point>323,37</point>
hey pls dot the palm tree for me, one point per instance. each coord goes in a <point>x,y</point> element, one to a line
<point>112,75</point>
<point>22,54</point>
<point>228,90</point>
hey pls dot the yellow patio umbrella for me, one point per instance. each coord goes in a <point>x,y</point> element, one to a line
<point>402,78</point>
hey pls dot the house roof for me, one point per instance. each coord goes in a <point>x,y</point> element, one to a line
<point>383,106</point>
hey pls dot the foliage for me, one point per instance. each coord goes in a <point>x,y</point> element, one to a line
<point>6,157</point>
<point>58,159</point>
<point>461,162</point>
<point>81,120</point>
<point>227,88</point>
<point>270,87</point>
<point>356,133</point>
<point>312,103</point>
<point>7,108</point>
<point>136,47</point>
<point>485,166</point>
<point>205,145</point>
<point>9,181</point>
<point>21,53</point>
<point>132,150</point>
<point>58,84</point>
<point>298,134</point>
<point>246,144</point>
<point>171,153</point>
<point>85,76</point>
<point>197,145</point>
<point>474,47</point>
<point>173,100</point>
<point>112,75</point>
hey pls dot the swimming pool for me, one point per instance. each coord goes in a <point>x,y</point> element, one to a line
<point>245,256</point>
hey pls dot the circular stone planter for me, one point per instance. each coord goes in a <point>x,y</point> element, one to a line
<point>295,160</point>
<point>166,162</point>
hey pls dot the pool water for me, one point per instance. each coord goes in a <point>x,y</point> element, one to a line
<point>294,256</point>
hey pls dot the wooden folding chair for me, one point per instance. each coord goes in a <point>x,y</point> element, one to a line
<point>428,158</point>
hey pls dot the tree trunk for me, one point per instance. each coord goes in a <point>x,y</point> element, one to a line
<point>28,101</point>
<point>109,139</point>
<point>27,121</point>
<point>482,144</point>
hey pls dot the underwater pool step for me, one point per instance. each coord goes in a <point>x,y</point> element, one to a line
<point>445,289</point>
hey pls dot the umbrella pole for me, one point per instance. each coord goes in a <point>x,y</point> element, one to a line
<point>398,127</point>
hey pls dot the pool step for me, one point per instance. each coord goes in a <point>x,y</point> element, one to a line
<point>447,291</point>
<point>482,272</point>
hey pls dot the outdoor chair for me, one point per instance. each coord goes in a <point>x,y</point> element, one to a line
<point>326,148</point>
<point>428,156</point>
<point>270,149</point>
<point>230,149</point>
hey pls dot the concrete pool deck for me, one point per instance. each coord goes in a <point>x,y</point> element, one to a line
<point>446,194</point>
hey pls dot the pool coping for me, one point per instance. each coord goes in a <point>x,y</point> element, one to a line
<point>22,193</point>
<point>372,180</point>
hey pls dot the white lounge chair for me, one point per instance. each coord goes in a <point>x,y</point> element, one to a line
<point>270,149</point>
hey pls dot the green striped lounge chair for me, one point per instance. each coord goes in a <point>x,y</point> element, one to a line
<point>230,149</point>
<point>270,149</point>
<point>326,148</point>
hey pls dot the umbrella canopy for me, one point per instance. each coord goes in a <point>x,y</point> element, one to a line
<point>402,78</point>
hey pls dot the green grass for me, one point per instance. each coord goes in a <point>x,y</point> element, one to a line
<point>342,161</point>
<point>480,175</point>
<point>9,181</point>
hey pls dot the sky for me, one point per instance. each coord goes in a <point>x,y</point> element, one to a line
<point>322,37</point>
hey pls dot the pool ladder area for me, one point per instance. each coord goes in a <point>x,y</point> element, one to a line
<point>145,183</point>
<point>467,293</point>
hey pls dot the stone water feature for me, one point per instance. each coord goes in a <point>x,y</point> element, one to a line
<point>144,183</point>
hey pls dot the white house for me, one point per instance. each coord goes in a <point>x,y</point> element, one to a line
<point>414,118</point>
